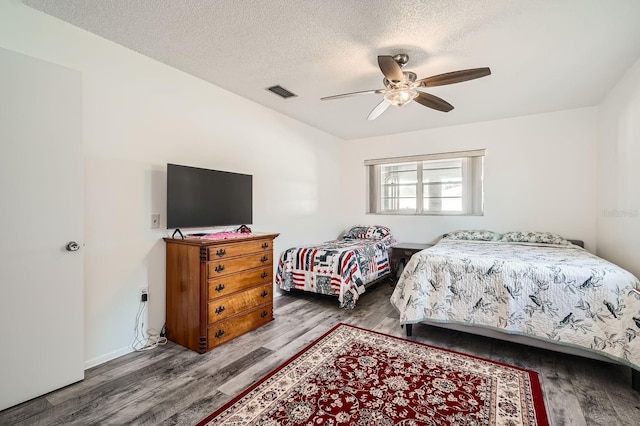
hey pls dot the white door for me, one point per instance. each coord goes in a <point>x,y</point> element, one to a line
<point>41,210</point>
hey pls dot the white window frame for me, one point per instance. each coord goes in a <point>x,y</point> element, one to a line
<point>472,183</point>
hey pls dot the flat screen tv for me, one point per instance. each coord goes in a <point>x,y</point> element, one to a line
<point>201,197</point>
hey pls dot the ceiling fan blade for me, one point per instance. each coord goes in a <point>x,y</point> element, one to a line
<point>434,102</point>
<point>455,77</point>
<point>390,69</point>
<point>379,109</point>
<point>344,95</point>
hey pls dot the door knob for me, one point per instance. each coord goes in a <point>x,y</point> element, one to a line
<point>72,246</point>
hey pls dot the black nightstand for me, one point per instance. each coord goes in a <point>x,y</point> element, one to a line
<point>402,252</point>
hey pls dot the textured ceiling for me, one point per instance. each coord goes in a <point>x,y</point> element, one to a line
<point>545,55</point>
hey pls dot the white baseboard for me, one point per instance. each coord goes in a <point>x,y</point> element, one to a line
<point>107,357</point>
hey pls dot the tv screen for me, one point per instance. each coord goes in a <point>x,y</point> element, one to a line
<point>201,197</point>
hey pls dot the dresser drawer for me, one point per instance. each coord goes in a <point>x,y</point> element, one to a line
<point>223,331</point>
<point>225,307</point>
<point>226,251</point>
<point>229,266</point>
<point>227,284</point>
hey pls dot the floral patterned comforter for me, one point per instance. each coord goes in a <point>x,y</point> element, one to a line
<point>339,268</point>
<point>561,294</point>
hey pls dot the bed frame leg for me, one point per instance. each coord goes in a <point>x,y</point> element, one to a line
<point>635,379</point>
<point>410,331</point>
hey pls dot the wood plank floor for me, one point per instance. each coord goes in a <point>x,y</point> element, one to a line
<point>174,386</point>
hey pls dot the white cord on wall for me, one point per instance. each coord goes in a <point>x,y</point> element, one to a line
<point>145,340</point>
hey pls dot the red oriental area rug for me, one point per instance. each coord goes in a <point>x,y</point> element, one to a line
<point>353,376</point>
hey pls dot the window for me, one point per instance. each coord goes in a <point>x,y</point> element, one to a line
<point>436,184</point>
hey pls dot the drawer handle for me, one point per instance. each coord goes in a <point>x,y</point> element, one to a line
<point>219,334</point>
<point>264,259</point>
<point>265,245</point>
<point>219,268</point>
<point>263,314</point>
<point>264,275</point>
<point>219,310</point>
<point>219,287</point>
<point>264,294</point>
<point>221,252</point>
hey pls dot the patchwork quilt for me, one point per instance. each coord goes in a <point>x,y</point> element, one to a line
<point>339,268</point>
<point>560,294</point>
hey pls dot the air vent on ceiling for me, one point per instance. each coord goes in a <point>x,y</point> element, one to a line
<point>281,91</point>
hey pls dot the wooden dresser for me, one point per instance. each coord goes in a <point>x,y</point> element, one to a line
<point>218,289</point>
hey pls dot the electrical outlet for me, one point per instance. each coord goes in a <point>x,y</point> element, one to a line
<point>144,294</point>
<point>155,220</point>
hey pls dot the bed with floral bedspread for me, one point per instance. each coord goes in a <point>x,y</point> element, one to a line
<point>521,283</point>
<point>341,268</point>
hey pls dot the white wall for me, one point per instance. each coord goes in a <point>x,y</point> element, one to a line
<point>539,175</point>
<point>139,115</point>
<point>618,212</point>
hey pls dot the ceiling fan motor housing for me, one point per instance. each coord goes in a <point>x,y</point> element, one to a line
<point>409,78</point>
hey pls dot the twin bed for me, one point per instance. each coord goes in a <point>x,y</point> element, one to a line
<point>342,268</point>
<point>532,288</point>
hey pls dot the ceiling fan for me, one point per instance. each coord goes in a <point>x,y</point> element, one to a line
<point>401,87</point>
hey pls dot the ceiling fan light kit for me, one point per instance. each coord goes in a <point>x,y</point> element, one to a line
<point>400,96</point>
<point>401,87</point>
